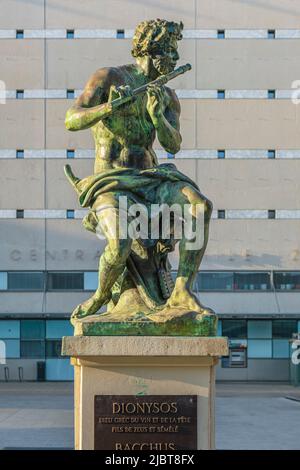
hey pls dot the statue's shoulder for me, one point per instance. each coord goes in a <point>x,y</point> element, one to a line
<point>109,75</point>
<point>104,75</point>
<point>97,87</point>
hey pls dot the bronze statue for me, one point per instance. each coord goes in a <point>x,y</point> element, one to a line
<point>126,107</point>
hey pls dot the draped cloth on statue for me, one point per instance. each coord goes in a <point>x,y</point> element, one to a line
<point>139,185</point>
<point>148,269</point>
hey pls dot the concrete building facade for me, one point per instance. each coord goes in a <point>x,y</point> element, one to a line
<point>241,143</point>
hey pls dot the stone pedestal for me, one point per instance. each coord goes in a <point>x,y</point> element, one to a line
<point>143,365</point>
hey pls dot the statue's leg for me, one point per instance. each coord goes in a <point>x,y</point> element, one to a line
<point>112,262</point>
<point>189,259</point>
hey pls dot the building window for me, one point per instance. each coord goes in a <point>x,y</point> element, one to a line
<point>90,280</point>
<point>252,281</point>
<point>281,349</point>
<point>221,214</point>
<point>70,94</point>
<point>20,94</point>
<point>19,34</point>
<point>20,214</point>
<point>234,328</point>
<point>32,349</point>
<point>284,329</point>
<point>214,281</point>
<point>259,348</point>
<point>53,348</point>
<point>271,214</point>
<point>287,280</point>
<point>221,153</point>
<point>221,94</point>
<point>258,329</point>
<point>70,34</point>
<point>32,338</point>
<point>19,153</point>
<point>271,34</point>
<point>12,348</point>
<point>65,281</point>
<point>221,34</point>
<point>70,214</point>
<point>3,280</point>
<point>32,329</point>
<point>56,329</point>
<point>120,34</point>
<point>10,335</point>
<point>20,281</point>
<point>10,329</point>
<point>271,154</point>
<point>271,94</point>
<point>70,153</point>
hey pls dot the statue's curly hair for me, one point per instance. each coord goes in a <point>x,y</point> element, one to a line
<point>150,37</point>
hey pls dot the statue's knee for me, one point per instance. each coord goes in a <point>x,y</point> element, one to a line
<point>117,251</point>
<point>197,199</point>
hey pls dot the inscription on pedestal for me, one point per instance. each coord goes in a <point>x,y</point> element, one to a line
<point>151,422</point>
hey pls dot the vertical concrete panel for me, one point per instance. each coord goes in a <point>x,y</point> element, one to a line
<point>113,14</point>
<point>18,177</point>
<point>16,14</point>
<point>247,14</point>
<point>22,124</point>
<point>22,63</point>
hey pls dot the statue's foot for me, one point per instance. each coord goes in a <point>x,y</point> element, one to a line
<point>183,298</point>
<point>89,307</point>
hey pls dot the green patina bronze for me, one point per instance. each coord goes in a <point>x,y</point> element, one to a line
<point>127,107</point>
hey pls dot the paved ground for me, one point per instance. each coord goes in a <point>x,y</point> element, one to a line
<point>248,416</point>
<point>36,415</point>
<point>257,416</point>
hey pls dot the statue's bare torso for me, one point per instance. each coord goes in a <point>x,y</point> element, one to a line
<point>126,138</point>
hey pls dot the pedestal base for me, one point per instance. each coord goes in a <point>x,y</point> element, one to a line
<point>107,365</point>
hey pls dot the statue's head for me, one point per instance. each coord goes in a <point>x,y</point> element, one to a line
<point>157,39</point>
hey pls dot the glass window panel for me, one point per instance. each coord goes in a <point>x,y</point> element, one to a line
<point>259,329</point>
<point>32,329</point>
<point>3,281</point>
<point>234,328</point>
<point>215,281</point>
<point>25,281</point>
<point>284,328</point>
<point>9,329</point>
<point>219,329</point>
<point>90,280</point>
<point>287,281</point>
<point>33,349</point>
<point>259,348</point>
<point>59,369</point>
<point>65,281</point>
<point>12,348</point>
<point>299,326</point>
<point>281,348</point>
<point>252,281</point>
<point>58,329</point>
<point>53,348</point>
